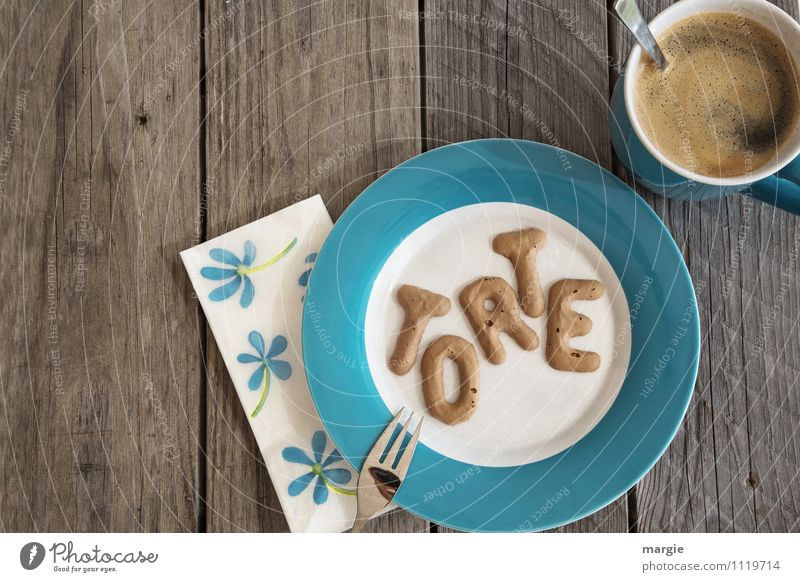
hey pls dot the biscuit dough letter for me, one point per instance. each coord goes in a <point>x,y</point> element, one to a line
<point>464,355</point>
<point>420,306</point>
<point>520,247</point>
<point>492,308</point>
<point>563,324</point>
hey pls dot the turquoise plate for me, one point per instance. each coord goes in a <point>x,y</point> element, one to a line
<point>665,335</point>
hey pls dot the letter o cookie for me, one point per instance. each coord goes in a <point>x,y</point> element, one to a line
<point>464,355</point>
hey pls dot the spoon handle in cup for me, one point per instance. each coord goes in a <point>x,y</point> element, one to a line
<point>630,15</point>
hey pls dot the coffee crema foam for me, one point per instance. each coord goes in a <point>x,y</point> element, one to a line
<point>728,100</point>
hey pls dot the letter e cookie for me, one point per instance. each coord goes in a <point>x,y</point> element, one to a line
<point>563,324</point>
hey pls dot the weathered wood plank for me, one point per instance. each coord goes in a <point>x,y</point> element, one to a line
<point>303,98</point>
<point>734,464</point>
<point>99,189</point>
<point>532,70</point>
<point>98,365</point>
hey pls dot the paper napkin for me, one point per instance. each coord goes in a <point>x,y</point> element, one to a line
<point>251,283</point>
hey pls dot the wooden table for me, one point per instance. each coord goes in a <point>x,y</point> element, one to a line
<point>133,130</point>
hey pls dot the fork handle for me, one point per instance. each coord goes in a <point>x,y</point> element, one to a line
<point>359,524</point>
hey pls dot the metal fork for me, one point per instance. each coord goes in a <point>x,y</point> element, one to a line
<point>379,480</point>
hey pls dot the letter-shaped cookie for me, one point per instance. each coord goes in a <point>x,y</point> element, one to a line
<point>420,306</point>
<point>492,308</point>
<point>520,247</point>
<point>464,355</point>
<point>563,324</point>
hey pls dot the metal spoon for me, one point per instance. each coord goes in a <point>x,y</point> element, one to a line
<point>630,15</point>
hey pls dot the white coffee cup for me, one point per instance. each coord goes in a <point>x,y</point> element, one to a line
<point>785,159</point>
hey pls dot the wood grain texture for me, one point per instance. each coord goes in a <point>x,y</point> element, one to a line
<point>735,463</point>
<point>303,98</point>
<point>98,369</point>
<point>108,169</point>
<point>532,70</point>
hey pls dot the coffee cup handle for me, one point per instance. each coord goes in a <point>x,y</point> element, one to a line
<point>782,190</point>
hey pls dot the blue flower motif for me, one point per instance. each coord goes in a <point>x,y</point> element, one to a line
<point>321,470</point>
<point>238,271</point>
<point>303,280</point>
<point>266,362</point>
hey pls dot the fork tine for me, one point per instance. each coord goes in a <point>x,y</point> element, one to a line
<point>392,454</point>
<point>408,453</point>
<point>383,440</point>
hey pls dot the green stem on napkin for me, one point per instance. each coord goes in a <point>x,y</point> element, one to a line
<point>249,270</point>
<point>336,488</point>
<point>263,398</point>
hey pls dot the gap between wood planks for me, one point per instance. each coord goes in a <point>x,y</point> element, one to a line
<point>631,500</point>
<point>202,461</point>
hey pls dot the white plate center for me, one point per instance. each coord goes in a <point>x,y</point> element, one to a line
<point>527,410</point>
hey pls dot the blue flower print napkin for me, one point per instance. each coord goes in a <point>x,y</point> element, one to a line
<point>251,283</point>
